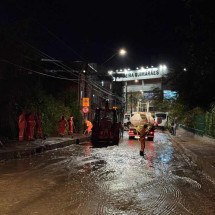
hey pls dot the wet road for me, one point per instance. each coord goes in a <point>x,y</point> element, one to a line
<point>83,180</point>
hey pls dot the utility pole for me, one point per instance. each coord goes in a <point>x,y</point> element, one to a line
<point>126,96</point>
<point>131,102</point>
<point>115,88</point>
<point>85,86</point>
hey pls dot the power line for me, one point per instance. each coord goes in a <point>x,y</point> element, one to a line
<point>40,73</point>
<point>68,69</point>
<point>60,64</point>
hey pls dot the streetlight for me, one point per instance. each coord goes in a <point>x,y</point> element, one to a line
<point>121,52</point>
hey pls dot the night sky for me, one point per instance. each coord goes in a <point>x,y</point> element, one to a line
<point>94,30</point>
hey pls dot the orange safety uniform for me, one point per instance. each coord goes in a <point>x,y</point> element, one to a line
<point>30,126</point>
<point>22,126</point>
<point>89,126</point>
<point>62,126</point>
<point>71,125</point>
<point>143,133</point>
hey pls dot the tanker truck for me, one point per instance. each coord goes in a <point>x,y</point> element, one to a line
<point>137,121</point>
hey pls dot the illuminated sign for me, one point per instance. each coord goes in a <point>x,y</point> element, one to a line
<point>85,109</point>
<point>169,95</point>
<point>141,74</point>
<point>85,102</point>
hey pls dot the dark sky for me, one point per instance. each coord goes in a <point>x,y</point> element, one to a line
<point>95,30</point>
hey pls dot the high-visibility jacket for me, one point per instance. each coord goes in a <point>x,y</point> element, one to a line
<point>89,126</point>
<point>143,133</point>
<point>62,126</point>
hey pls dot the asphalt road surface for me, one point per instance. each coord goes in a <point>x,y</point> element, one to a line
<point>83,180</point>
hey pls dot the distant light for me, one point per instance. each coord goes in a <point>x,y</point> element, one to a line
<point>136,81</point>
<point>152,66</point>
<point>110,72</point>
<point>84,71</point>
<point>102,83</point>
<point>137,68</point>
<point>93,95</point>
<point>129,69</point>
<point>163,67</point>
<point>185,69</point>
<point>120,70</point>
<point>122,52</point>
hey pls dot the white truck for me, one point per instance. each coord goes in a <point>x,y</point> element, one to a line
<point>161,119</point>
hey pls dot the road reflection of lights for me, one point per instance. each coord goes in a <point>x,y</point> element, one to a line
<point>167,155</point>
<point>150,154</point>
<point>88,149</point>
<point>165,158</point>
<point>131,143</point>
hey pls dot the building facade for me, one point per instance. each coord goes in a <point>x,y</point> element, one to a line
<point>139,86</point>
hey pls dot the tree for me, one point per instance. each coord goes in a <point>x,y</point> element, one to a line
<point>194,79</point>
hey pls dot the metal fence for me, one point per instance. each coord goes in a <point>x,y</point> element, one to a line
<point>203,124</point>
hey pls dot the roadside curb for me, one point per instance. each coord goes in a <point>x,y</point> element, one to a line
<point>203,162</point>
<point>33,150</point>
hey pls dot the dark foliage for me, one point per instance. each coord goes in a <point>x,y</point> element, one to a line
<point>194,77</point>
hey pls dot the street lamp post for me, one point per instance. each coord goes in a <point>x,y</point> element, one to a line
<point>120,52</point>
<point>126,96</point>
<point>131,102</point>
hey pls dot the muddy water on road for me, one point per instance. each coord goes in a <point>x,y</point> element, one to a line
<point>113,180</point>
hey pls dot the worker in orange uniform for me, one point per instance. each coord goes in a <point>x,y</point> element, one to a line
<point>89,126</point>
<point>38,119</point>
<point>62,126</point>
<point>22,126</point>
<point>143,133</point>
<point>30,126</point>
<point>71,125</point>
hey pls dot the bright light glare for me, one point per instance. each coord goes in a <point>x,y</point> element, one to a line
<point>110,72</point>
<point>122,52</point>
<point>163,67</point>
